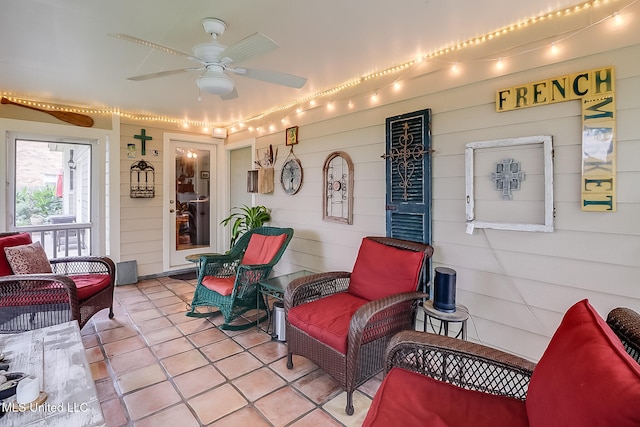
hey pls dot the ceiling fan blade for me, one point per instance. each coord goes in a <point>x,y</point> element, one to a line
<point>231,95</point>
<point>150,44</point>
<point>161,74</point>
<point>254,45</point>
<point>276,77</point>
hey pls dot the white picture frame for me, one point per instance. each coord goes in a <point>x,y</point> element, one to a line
<point>541,141</point>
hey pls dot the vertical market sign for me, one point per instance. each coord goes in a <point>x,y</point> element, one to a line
<point>595,90</point>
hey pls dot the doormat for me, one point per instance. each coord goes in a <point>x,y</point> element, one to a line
<point>185,276</point>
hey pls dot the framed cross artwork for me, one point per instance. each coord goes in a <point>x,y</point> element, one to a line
<point>509,184</point>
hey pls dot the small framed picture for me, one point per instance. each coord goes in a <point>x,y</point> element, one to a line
<point>204,175</point>
<point>292,136</point>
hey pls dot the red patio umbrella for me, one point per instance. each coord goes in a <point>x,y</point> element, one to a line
<point>59,184</point>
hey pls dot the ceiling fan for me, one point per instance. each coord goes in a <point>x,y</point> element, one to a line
<point>216,59</point>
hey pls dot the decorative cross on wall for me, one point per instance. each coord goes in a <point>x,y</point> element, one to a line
<point>507,177</point>
<point>143,138</point>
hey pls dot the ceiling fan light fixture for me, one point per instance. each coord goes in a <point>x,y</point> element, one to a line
<point>215,83</point>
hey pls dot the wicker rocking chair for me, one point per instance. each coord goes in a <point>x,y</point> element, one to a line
<point>228,282</point>
<point>342,321</point>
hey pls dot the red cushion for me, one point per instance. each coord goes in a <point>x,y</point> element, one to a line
<point>90,284</point>
<point>327,319</point>
<point>262,249</point>
<point>221,285</point>
<point>585,377</point>
<point>47,294</point>
<point>407,399</point>
<point>382,270</point>
<point>8,242</point>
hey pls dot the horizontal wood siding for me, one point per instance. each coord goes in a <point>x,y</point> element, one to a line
<point>517,285</point>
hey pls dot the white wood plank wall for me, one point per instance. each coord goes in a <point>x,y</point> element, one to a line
<point>517,285</point>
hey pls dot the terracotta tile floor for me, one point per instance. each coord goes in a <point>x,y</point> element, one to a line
<point>154,366</point>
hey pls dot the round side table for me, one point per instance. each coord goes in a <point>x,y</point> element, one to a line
<point>460,315</point>
<point>195,258</point>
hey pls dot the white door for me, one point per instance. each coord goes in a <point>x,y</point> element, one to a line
<point>191,200</point>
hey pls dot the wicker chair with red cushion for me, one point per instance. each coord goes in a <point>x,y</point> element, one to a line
<point>343,321</point>
<point>589,375</point>
<point>72,288</point>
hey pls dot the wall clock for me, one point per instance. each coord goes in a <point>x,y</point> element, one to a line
<point>338,188</point>
<point>291,176</point>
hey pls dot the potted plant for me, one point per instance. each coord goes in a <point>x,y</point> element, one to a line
<point>246,218</point>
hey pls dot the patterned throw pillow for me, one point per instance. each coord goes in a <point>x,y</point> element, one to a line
<point>28,259</point>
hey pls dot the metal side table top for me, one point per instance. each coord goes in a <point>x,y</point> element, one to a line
<point>460,315</point>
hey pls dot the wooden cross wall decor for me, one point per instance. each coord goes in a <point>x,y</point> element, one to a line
<point>143,138</point>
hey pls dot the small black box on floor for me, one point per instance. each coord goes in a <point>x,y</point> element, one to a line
<point>444,293</point>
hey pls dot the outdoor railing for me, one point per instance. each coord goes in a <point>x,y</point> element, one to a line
<point>61,240</point>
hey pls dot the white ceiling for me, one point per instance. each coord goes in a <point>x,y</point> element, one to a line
<point>61,51</point>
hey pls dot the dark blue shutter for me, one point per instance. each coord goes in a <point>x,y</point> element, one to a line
<point>408,176</point>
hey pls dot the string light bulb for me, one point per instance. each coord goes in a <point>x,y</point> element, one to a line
<point>617,19</point>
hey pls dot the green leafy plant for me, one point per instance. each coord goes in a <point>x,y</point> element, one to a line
<point>36,202</point>
<point>244,219</point>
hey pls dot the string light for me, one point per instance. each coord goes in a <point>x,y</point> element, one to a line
<point>468,43</point>
<point>311,99</point>
<point>617,19</point>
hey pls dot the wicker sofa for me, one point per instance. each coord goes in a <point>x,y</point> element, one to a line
<point>76,288</point>
<point>589,375</point>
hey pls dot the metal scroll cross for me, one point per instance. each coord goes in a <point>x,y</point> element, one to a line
<point>405,158</point>
<point>143,138</point>
<point>507,177</point>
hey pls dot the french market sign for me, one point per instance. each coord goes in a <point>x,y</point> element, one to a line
<point>595,90</point>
